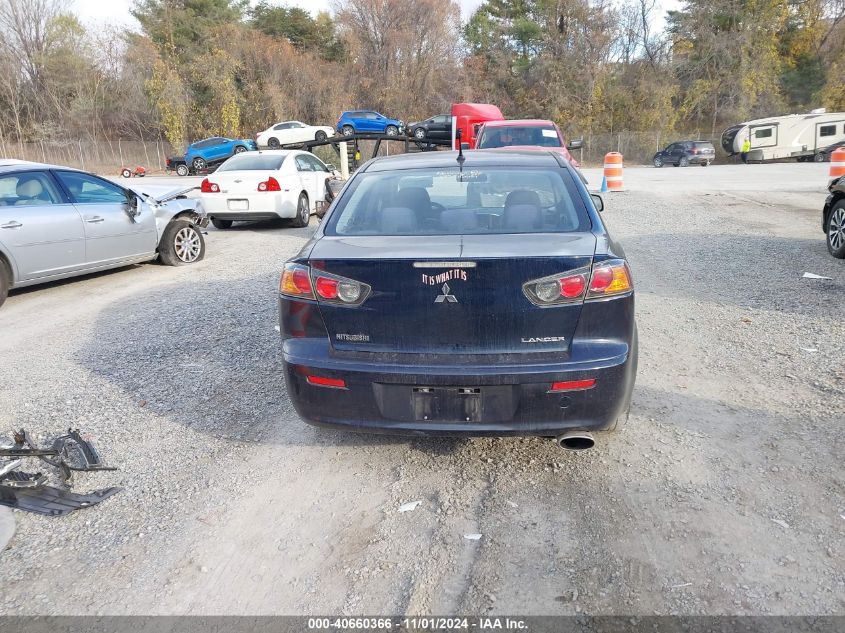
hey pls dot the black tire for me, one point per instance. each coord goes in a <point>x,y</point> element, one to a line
<point>391,130</point>
<point>239,149</point>
<point>221,224</point>
<point>5,281</point>
<point>320,135</point>
<point>657,162</point>
<point>705,163</point>
<point>819,158</point>
<point>622,418</point>
<point>303,212</point>
<point>199,164</point>
<point>684,162</point>
<point>347,130</point>
<point>836,230</point>
<point>181,244</point>
<point>419,133</point>
<point>126,173</point>
<point>182,170</point>
<point>272,142</point>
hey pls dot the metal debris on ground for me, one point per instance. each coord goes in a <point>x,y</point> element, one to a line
<point>410,506</point>
<point>813,276</point>
<point>28,491</point>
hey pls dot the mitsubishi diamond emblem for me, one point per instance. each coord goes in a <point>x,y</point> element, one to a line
<point>446,296</point>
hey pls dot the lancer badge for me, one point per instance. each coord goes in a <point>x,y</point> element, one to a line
<point>446,297</point>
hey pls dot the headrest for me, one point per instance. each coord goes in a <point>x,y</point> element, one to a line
<point>523,218</point>
<point>459,220</point>
<point>522,196</point>
<point>398,220</point>
<point>29,187</point>
<point>416,198</point>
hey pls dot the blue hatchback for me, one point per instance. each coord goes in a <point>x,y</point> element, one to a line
<point>215,150</point>
<point>474,297</point>
<point>355,121</point>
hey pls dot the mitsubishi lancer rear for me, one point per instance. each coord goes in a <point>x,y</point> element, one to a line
<point>473,293</point>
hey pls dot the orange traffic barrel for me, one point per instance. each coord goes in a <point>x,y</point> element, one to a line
<point>837,163</point>
<point>613,171</point>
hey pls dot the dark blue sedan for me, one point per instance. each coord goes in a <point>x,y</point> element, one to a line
<point>479,295</point>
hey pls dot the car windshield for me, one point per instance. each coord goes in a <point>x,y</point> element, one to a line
<point>250,161</point>
<point>507,136</point>
<point>448,201</point>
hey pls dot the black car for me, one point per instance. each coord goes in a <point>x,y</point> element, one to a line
<point>476,294</point>
<point>833,218</point>
<point>685,153</point>
<point>823,155</point>
<point>437,128</point>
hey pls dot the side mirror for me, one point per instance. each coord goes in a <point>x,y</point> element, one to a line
<point>577,143</point>
<point>598,202</point>
<point>132,205</point>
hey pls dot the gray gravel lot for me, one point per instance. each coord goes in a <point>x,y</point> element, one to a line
<point>723,495</point>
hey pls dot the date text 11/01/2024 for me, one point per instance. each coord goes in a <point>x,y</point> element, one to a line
<point>417,624</point>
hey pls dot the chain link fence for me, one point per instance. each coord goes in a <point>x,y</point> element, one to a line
<point>638,148</point>
<point>106,157</point>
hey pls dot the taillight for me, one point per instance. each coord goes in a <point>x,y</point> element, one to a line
<point>610,278</point>
<point>296,282</point>
<point>340,290</point>
<point>209,187</point>
<point>557,289</point>
<point>271,184</point>
<point>607,279</point>
<point>306,283</point>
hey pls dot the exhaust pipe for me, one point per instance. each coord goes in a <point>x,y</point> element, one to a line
<point>576,440</point>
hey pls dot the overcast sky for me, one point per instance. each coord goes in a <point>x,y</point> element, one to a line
<point>99,11</point>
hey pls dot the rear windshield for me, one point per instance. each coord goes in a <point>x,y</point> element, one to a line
<point>507,136</point>
<point>250,161</point>
<point>447,201</point>
<point>703,144</point>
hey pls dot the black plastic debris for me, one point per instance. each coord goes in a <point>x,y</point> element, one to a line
<point>29,491</point>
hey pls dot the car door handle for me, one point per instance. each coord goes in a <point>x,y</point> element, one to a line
<point>95,219</point>
<point>11,225</point>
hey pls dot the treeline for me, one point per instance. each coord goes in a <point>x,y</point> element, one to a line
<point>207,67</point>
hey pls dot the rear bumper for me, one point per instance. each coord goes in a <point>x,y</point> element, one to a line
<point>514,398</point>
<point>260,206</point>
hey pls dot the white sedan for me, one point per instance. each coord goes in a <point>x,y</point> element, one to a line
<point>289,132</point>
<point>264,185</point>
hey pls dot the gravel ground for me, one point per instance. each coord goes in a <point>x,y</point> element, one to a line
<point>723,495</point>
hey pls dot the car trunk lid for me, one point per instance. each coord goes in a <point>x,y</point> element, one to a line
<point>451,294</point>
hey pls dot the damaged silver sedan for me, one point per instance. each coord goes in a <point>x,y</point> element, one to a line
<point>58,222</point>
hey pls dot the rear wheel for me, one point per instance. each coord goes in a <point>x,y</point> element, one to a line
<point>303,212</point>
<point>5,282</point>
<point>239,149</point>
<point>348,130</point>
<point>126,173</point>
<point>199,164</point>
<point>181,244</point>
<point>836,230</point>
<point>657,162</point>
<point>705,163</point>
<point>182,170</point>
<point>273,142</point>
<point>221,224</point>
<point>320,136</point>
<point>684,162</point>
<point>819,158</point>
<point>391,130</point>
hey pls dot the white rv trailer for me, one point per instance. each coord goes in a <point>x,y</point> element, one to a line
<point>792,136</point>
